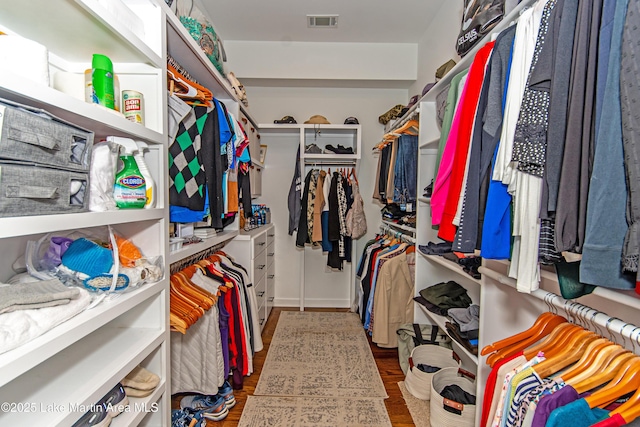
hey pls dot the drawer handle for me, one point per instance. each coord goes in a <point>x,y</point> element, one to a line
<point>261,294</point>
<point>271,254</point>
<point>261,266</point>
<point>271,299</point>
<point>271,276</point>
<point>261,322</point>
<point>262,243</point>
<point>44,141</point>
<point>31,192</point>
<point>271,235</point>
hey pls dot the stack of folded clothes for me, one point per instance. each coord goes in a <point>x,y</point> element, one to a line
<point>452,301</point>
<point>464,326</point>
<point>441,297</point>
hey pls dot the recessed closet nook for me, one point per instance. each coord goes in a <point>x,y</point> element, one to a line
<point>501,197</point>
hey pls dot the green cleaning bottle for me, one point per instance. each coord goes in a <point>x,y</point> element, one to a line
<point>129,189</point>
<point>103,92</point>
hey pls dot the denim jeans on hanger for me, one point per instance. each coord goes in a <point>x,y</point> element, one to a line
<point>406,170</point>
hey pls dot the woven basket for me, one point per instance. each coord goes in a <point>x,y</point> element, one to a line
<point>440,417</point>
<point>418,383</point>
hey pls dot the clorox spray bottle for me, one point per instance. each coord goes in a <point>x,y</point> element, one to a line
<point>129,189</point>
<point>148,179</point>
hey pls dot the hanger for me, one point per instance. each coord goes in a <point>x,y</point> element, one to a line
<point>553,343</point>
<point>587,360</point>
<point>177,323</point>
<point>412,127</point>
<point>529,352</point>
<point>194,292</point>
<point>353,174</point>
<point>602,372</point>
<point>195,93</point>
<point>515,339</point>
<point>627,380</point>
<point>192,92</point>
<point>570,353</point>
<point>629,410</point>
<point>544,325</point>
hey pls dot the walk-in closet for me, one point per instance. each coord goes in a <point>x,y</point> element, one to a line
<point>364,213</point>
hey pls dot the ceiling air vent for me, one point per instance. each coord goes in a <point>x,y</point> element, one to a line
<point>322,21</point>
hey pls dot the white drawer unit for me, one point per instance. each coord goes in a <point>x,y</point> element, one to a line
<point>271,271</point>
<point>255,250</point>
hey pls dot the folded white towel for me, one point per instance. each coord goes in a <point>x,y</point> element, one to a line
<point>19,327</point>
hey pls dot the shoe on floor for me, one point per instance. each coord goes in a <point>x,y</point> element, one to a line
<point>185,418</point>
<point>211,407</point>
<point>115,401</point>
<point>94,419</point>
<point>226,391</point>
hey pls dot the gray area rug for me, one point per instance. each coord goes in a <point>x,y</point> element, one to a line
<point>320,354</point>
<point>419,409</point>
<point>263,411</point>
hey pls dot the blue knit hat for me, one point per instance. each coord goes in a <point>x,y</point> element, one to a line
<point>88,257</point>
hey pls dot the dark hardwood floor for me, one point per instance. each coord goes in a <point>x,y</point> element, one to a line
<point>386,359</point>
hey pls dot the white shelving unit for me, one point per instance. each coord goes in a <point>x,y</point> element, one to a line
<point>321,135</point>
<point>79,361</point>
<point>431,270</point>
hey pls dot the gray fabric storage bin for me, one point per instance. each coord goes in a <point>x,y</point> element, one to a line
<point>35,190</point>
<point>35,136</point>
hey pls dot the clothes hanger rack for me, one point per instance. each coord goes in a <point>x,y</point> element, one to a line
<point>412,114</point>
<point>397,234</point>
<point>199,256</point>
<point>578,313</point>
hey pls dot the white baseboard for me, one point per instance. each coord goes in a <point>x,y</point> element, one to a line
<point>312,302</point>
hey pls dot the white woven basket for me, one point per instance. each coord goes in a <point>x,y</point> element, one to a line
<point>439,416</point>
<point>418,383</point>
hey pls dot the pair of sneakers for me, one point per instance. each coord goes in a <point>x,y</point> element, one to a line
<point>212,407</point>
<point>110,406</point>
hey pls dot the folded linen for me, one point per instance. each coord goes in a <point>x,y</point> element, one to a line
<point>20,327</point>
<point>39,294</point>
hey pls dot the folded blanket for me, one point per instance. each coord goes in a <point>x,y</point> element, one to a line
<point>39,294</point>
<point>19,327</point>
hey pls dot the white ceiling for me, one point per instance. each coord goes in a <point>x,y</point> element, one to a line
<point>360,21</point>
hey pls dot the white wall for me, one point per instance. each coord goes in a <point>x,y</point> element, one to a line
<point>322,61</point>
<point>269,103</point>
<point>438,44</point>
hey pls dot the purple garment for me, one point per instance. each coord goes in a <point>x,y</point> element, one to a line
<point>224,333</point>
<point>57,247</point>
<point>550,402</point>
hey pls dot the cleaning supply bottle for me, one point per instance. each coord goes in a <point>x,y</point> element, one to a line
<point>103,91</point>
<point>144,170</point>
<point>129,189</point>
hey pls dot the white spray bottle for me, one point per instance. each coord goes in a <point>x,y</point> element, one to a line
<point>144,170</point>
<point>129,189</point>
